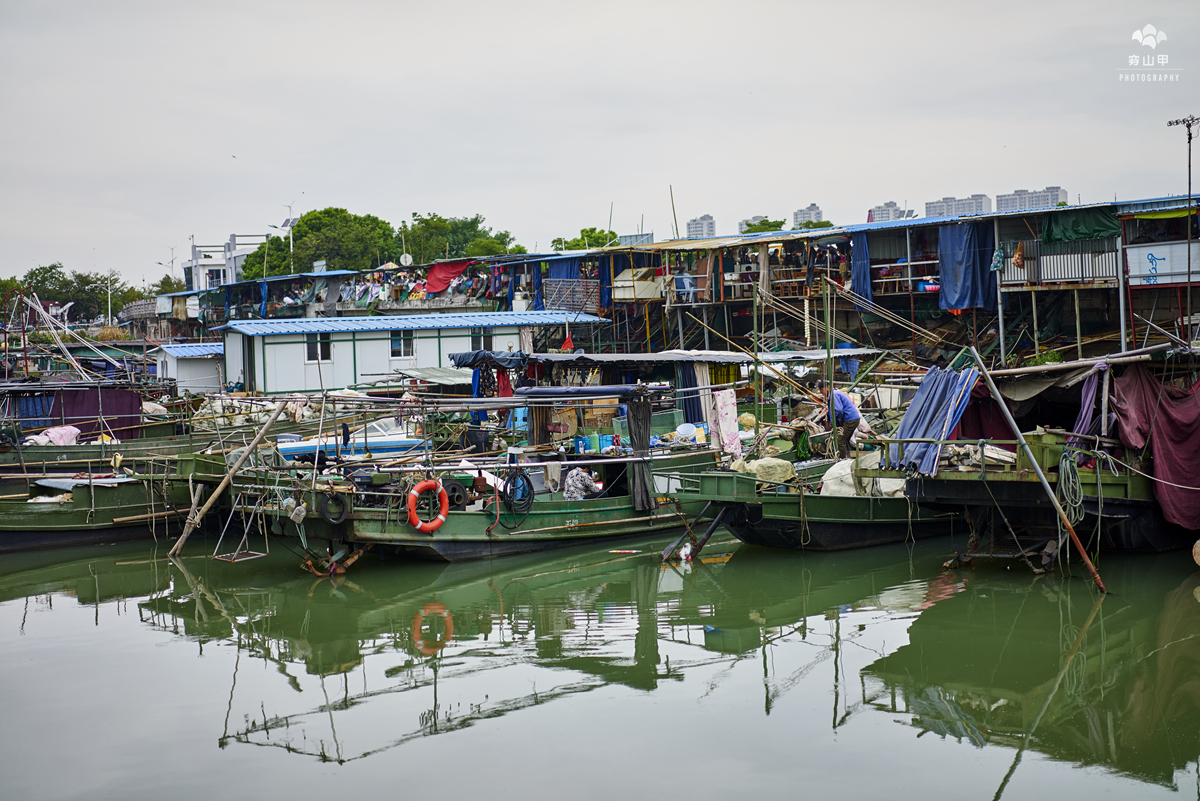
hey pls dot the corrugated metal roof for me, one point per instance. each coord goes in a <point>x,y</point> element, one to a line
<point>713,356</point>
<point>445,376</point>
<point>335,325</point>
<point>326,274</point>
<point>196,351</point>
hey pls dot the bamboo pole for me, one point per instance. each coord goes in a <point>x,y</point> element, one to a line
<point>150,516</point>
<point>195,516</point>
<point>1037,468</point>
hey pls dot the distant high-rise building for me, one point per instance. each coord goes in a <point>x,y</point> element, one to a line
<point>628,240</point>
<point>811,214</point>
<point>959,206</point>
<point>744,224</point>
<point>703,227</point>
<point>1023,199</point>
<point>889,211</point>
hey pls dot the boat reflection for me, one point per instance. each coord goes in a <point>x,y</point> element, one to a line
<point>343,668</point>
<point>1047,664</point>
<point>449,646</point>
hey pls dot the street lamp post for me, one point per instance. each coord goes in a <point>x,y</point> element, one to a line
<point>289,224</point>
<point>1188,122</point>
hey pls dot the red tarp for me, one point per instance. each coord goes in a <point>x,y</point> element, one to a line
<point>984,419</point>
<point>440,275</point>
<point>1169,419</point>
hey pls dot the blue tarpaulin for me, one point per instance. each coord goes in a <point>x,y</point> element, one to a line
<point>564,268</point>
<point>687,402</point>
<point>539,303</point>
<point>860,267</point>
<point>933,414</point>
<point>964,258</point>
<point>606,275</point>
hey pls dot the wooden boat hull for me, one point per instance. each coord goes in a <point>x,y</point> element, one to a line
<point>808,521</point>
<point>833,523</point>
<point>92,514</point>
<point>378,515</point>
<point>550,524</point>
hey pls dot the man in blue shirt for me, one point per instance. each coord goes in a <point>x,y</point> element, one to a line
<point>845,414</point>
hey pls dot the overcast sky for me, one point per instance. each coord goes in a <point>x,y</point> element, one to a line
<point>130,126</point>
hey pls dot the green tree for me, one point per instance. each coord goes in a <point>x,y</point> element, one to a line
<point>764,225</point>
<point>343,240</point>
<point>809,224</point>
<point>431,236</point>
<point>49,282</point>
<point>165,286</point>
<point>588,239</point>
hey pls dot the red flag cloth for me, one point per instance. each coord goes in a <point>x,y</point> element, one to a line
<point>441,274</point>
<point>568,344</point>
<point>1167,417</point>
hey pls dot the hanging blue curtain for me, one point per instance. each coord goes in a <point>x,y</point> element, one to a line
<point>860,267</point>
<point>262,287</point>
<point>933,414</point>
<point>606,274</point>
<point>479,417</point>
<point>964,262</point>
<point>688,402</point>
<point>564,268</point>
<point>538,303</point>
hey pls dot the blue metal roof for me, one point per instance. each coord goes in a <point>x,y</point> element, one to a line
<point>334,325</point>
<point>293,276</point>
<point>199,350</point>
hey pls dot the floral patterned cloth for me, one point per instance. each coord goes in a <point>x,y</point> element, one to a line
<point>727,427</point>
<point>578,484</point>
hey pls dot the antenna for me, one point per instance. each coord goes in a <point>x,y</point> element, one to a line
<point>673,215</point>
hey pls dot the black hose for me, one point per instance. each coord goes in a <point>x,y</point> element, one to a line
<point>516,494</point>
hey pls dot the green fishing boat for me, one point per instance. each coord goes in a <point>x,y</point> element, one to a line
<point>445,507</point>
<point>795,516</point>
<point>82,510</point>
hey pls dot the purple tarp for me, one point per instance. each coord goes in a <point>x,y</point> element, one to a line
<point>82,408</point>
<point>1168,418</point>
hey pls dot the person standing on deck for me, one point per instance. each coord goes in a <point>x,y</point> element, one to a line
<point>845,414</point>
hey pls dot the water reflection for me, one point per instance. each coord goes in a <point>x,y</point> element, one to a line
<point>342,669</point>
<point>1049,665</point>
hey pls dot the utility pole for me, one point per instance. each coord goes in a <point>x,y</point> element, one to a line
<point>1188,122</point>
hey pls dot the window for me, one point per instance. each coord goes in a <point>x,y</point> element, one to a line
<point>481,339</point>
<point>320,347</point>
<point>402,344</point>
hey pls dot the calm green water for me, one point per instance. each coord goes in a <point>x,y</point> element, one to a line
<point>593,674</point>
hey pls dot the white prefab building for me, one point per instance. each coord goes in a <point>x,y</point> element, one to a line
<point>196,368</point>
<point>312,355</point>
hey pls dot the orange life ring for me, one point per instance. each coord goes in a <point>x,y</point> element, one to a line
<point>432,608</point>
<point>428,526</point>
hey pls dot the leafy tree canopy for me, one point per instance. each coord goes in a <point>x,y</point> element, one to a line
<point>363,242</point>
<point>165,286</point>
<point>588,238</point>
<point>89,291</point>
<point>807,224</point>
<point>432,236</point>
<point>764,225</point>
<point>343,240</point>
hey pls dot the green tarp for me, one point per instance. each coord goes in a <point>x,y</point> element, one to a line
<point>1071,226</point>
